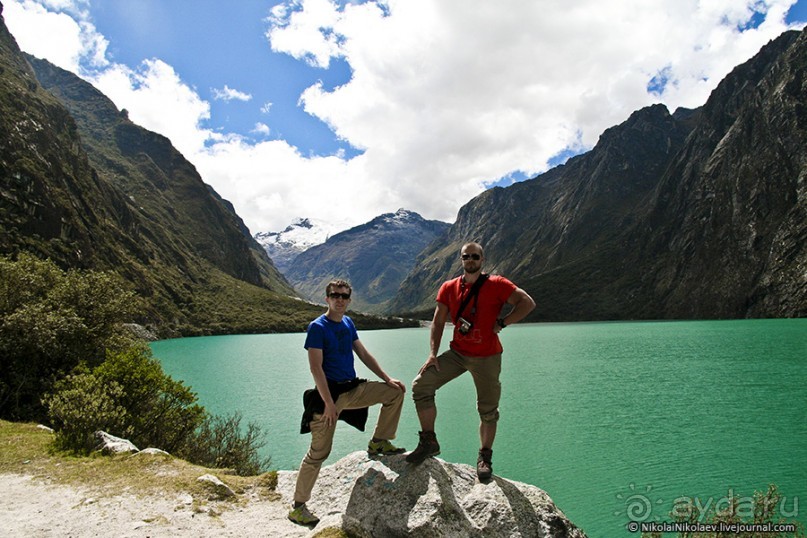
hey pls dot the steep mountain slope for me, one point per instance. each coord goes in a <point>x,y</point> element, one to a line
<point>153,174</point>
<point>696,214</point>
<point>727,232</point>
<point>134,206</point>
<point>374,257</point>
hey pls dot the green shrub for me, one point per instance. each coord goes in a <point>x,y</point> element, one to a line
<point>129,395</point>
<point>81,405</point>
<point>162,412</point>
<point>51,321</point>
<point>762,510</point>
<point>222,443</point>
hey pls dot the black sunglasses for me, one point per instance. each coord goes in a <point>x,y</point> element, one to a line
<point>336,295</point>
<point>471,257</point>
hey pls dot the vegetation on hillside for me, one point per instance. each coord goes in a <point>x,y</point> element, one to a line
<point>69,361</point>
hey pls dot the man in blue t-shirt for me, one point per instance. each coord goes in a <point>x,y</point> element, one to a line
<point>331,341</point>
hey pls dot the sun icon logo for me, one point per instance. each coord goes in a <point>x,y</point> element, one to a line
<point>638,505</point>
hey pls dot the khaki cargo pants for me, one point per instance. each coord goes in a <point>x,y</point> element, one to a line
<point>484,370</point>
<point>364,395</point>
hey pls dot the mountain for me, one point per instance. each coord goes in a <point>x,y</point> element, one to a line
<point>299,236</point>
<point>86,187</point>
<point>373,257</point>
<point>698,214</point>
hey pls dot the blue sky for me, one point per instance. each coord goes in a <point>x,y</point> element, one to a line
<point>344,110</point>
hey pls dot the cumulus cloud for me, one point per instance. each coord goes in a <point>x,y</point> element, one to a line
<point>445,96</point>
<point>157,99</point>
<point>262,129</point>
<point>64,36</point>
<point>228,94</point>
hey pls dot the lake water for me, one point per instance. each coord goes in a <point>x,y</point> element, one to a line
<point>616,421</point>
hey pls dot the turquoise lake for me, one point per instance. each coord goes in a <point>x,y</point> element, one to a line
<point>616,421</point>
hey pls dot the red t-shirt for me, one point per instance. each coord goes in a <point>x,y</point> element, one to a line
<point>480,341</point>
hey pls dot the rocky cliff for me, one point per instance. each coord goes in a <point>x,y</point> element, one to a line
<point>374,257</point>
<point>698,214</point>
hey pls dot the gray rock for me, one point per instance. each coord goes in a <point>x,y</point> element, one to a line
<point>217,488</point>
<point>153,452</point>
<point>389,497</point>
<point>142,332</point>
<point>43,427</point>
<point>110,444</point>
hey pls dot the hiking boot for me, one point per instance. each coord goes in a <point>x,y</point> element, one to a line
<point>383,448</point>
<point>302,516</point>
<point>427,447</point>
<point>484,467</point>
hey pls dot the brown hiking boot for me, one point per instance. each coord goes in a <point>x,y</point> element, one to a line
<point>427,447</point>
<point>484,467</point>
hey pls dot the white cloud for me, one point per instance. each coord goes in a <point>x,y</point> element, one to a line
<point>306,33</point>
<point>445,96</point>
<point>157,99</point>
<point>262,129</point>
<point>53,35</point>
<point>228,94</point>
<point>448,96</point>
<point>272,183</point>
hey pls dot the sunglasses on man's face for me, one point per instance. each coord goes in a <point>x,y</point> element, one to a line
<point>335,295</point>
<point>471,257</point>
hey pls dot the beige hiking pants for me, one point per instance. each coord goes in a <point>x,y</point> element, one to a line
<point>364,395</point>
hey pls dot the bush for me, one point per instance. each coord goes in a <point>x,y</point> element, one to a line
<point>221,443</point>
<point>129,395</point>
<point>81,405</point>
<point>53,321</point>
<point>162,412</point>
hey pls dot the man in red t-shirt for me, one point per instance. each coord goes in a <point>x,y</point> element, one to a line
<point>473,303</point>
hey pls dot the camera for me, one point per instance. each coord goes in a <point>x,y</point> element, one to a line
<point>465,326</point>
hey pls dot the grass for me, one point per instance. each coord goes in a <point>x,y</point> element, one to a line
<point>26,449</point>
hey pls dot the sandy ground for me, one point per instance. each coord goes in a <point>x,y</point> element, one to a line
<point>31,508</point>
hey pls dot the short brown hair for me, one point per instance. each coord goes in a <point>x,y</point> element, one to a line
<point>474,244</point>
<point>338,283</point>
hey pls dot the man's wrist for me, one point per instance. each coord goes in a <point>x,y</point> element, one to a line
<point>500,322</point>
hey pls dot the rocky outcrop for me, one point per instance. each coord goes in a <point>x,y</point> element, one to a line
<point>389,497</point>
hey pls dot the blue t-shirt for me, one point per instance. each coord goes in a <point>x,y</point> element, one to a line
<point>335,339</point>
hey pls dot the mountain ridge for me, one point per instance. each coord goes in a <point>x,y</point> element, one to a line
<point>606,233</point>
<point>373,257</point>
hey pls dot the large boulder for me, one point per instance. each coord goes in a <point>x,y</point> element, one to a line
<point>388,497</point>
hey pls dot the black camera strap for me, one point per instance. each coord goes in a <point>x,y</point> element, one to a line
<point>473,293</point>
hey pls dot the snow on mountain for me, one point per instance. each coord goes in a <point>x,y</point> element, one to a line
<point>300,235</point>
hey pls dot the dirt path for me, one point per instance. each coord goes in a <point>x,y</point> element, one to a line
<point>31,508</point>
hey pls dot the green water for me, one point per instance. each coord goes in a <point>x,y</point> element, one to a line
<point>614,420</point>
